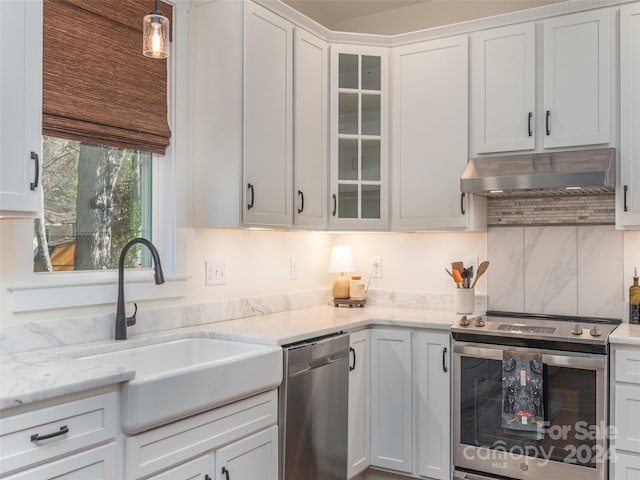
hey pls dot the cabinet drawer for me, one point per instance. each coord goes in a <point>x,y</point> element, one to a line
<point>163,447</point>
<point>626,467</point>
<point>70,426</point>
<point>627,366</point>
<point>96,464</point>
<point>627,421</point>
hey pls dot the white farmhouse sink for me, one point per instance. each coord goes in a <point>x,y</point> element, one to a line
<point>178,378</point>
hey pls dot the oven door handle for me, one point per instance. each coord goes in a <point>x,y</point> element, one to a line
<point>549,357</point>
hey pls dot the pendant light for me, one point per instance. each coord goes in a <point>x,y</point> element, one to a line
<point>155,34</point>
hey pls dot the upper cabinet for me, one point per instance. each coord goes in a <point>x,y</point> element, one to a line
<point>267,118</point>
<point>21,112</point>
<point>572,107</point>
<point>311,105</point>
<point>576,79</point>
<point>359,193</point>
<point>504,87</point>
<point>628,191</point>
<point>430,132</point>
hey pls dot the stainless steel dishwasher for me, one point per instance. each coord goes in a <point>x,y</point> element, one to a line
<point>313,407</point>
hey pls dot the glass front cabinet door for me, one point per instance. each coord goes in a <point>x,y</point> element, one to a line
<point>359,153</point>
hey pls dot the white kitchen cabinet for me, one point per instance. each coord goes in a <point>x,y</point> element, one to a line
<point>199,469</point>
<point>576,79</point>
<point>311,104</point>
<point>359,185</point>
<point>241,127</point>
<point>173,445</point>
<point>625,445</point>
<point>358,442</point>
<point>250,458</point>
<point>96,464</point>
<point>504,88</point>
<point>628,191</point>
<point>432,382</point>
<point>391,400</point>
<point>21,112</point>
<point>430,137</point>
<point>267,117</point>
<point>43,435</point>
<point>568,105</point>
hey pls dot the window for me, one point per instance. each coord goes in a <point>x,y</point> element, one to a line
<point>104,112</point>
<point>96,198</point>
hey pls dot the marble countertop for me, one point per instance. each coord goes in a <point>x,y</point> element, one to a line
<point>42,374</point>
<point>626,334</point>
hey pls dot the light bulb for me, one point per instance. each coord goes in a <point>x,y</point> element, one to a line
<point>155,36</point>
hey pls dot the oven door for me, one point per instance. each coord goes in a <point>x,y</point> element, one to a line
<point>573,442</point>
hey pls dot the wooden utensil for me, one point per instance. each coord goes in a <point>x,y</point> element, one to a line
<point>481,269</point>
<point>459,266</point>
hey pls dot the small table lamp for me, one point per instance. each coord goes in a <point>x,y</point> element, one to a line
<point>341,261</point>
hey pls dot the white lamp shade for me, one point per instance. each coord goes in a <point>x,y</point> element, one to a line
<point>341,259</point>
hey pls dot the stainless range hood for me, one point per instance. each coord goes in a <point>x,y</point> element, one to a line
<point>577,172</point>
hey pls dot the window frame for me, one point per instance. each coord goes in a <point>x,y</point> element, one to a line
<point>32,291</point>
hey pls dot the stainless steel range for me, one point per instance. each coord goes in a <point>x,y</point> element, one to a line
<point>530,397</point>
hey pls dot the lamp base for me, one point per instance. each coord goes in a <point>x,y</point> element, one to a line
<point>341,287</point>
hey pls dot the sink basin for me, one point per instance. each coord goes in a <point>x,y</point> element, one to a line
<point>181,377</point>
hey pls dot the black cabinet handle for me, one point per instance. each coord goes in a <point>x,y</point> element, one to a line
<point>250,204</point>
<point>352,367</point>
<point>225,472</point>
<point>36,437</point>
<point>626,189</point>
<point>529,123</point>
<point>207,477</point>
<point>335,204</point>
<point>444,359</point>
<point>462,195</point>
<point>34,184</point>
<point>301,195</point>
<point>547,122</point>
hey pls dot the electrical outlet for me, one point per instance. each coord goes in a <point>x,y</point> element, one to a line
<point>293,268</point>
<point>215,273</point>
<point>376,268</point>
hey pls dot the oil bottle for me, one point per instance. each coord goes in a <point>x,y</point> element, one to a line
<point>634,300</point>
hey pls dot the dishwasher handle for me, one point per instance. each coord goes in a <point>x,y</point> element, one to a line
<point>301,368</point>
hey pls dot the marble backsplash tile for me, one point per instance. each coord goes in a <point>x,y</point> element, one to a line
<point>574,270</point>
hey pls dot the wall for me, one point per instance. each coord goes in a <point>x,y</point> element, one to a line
<point>567,270</point>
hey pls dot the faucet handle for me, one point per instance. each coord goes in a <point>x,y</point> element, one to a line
<point>131,321</point>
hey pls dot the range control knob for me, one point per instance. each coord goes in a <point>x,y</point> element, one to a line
<point>577,329</point>
<point>480,322</point>
<point>595,331</point>
<point>464,321</point>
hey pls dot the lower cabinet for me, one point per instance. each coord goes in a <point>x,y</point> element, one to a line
<point>237,441</point>
<point>625,451</point>
<point>358,454</point>
<point>411,402</point>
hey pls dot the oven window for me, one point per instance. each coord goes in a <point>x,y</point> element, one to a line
<point>570,433</point>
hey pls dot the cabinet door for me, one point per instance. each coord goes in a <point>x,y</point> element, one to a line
<point>626,467</point>
<point>391,402</point>
<point>250,458</point>
<point>21,112</point>
<point>576,79</point>
<point>628,206</point>
<point>504,88</point>
<point>198,469</point>
<point>268,112</point>
<point>359,198</point>
<point>358,456</point>
<point>434,404</point>
<point>97,464</point>
<point>627,421</point>
<point>311,141</point>
<point>430,112</point>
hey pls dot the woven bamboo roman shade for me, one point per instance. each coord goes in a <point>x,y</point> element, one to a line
<point>97,86</point>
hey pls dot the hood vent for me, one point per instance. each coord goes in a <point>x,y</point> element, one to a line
<point>577,172</point>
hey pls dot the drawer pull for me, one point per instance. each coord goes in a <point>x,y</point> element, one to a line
<point>36,437</point>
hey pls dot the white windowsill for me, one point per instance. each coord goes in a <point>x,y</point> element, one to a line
<point>92,289</point>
